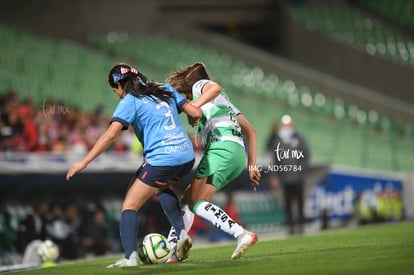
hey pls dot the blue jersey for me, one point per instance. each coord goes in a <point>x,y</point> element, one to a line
<point>158,127</point>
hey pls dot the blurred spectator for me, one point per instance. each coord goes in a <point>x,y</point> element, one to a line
<point>15,125</point>
<point>55,213</point>
<point>118,146</point>
<point>47,130</point>
<point>7,233</point>
<point>65,231</point>
<point>59,147</point>
<point>60,144</point>
<point>384,206</point>
<point>93,128</point>
<point>95,234</point>
<point>12,128</point>
<point>273,137</point>
<point>290,162</point>
<point>30,135</point>
<point>77,141</point>
<point>33,227</point>
<point>54,127</point>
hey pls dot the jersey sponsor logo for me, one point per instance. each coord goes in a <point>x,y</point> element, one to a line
<point>170,139</point>
<point>177,148</point>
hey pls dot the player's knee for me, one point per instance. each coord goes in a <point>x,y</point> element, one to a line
<point>129,205</point>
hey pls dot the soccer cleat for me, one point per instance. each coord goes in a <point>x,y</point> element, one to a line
<point>124,262</point>
<point>245,241</point>
<point>172,259</point>
<point>184,245</point>
<point>173,256</point>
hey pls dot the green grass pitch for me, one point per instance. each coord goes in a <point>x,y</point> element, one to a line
<point>375,249</point>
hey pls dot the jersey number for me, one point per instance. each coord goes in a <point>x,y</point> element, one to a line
<point>168,114</point>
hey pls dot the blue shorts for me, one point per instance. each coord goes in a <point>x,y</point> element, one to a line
<point>162,176</point>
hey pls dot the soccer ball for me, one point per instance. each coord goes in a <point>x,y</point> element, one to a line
<point>154,249</point>
<point>48,251</point>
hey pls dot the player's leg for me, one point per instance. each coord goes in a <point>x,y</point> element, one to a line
<point>222,163</point>
<point>184,242</point>
<point>171,206</point>
<point>300,198</point>
<point>289,193</point>
<point>201,194</point>
<point>178,237</point>
<point>219,218</point>
<point>188,218</point>
<point>137,194</point>
<point>169,199</point>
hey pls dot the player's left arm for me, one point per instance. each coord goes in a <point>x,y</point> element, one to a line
<point>251,143</point>
<point>209,92</point>
<point>107,138</point>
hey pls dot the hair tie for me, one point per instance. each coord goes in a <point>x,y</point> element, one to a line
<point>127,70</point>
<point>124,70</point>
<point>123,74</point>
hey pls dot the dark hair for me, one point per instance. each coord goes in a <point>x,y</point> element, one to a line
<point>136,83</point>
<point>184,79</point>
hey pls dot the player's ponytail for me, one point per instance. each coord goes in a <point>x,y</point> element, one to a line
<point>184,79</point>
<point>136,83</point>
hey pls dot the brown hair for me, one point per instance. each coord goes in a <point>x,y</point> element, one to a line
<point>184,79</point>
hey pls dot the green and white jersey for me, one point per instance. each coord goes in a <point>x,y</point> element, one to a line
<point>219,119</point>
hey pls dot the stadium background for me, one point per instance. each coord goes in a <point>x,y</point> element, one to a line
<point>342,69</point>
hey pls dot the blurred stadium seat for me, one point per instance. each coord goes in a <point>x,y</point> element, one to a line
<point>353,26</point>
<point>399,11</point>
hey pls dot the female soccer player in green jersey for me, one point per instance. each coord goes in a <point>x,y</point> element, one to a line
<point>224,131</point>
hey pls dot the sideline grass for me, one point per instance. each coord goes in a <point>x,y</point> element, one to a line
<point>376,249</point>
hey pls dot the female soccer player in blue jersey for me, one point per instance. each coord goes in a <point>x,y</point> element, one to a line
<point>152,109</point>
<point>224,131</point>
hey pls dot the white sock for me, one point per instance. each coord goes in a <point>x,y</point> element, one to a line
<point>218,217</point>
<point>188,218</point>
